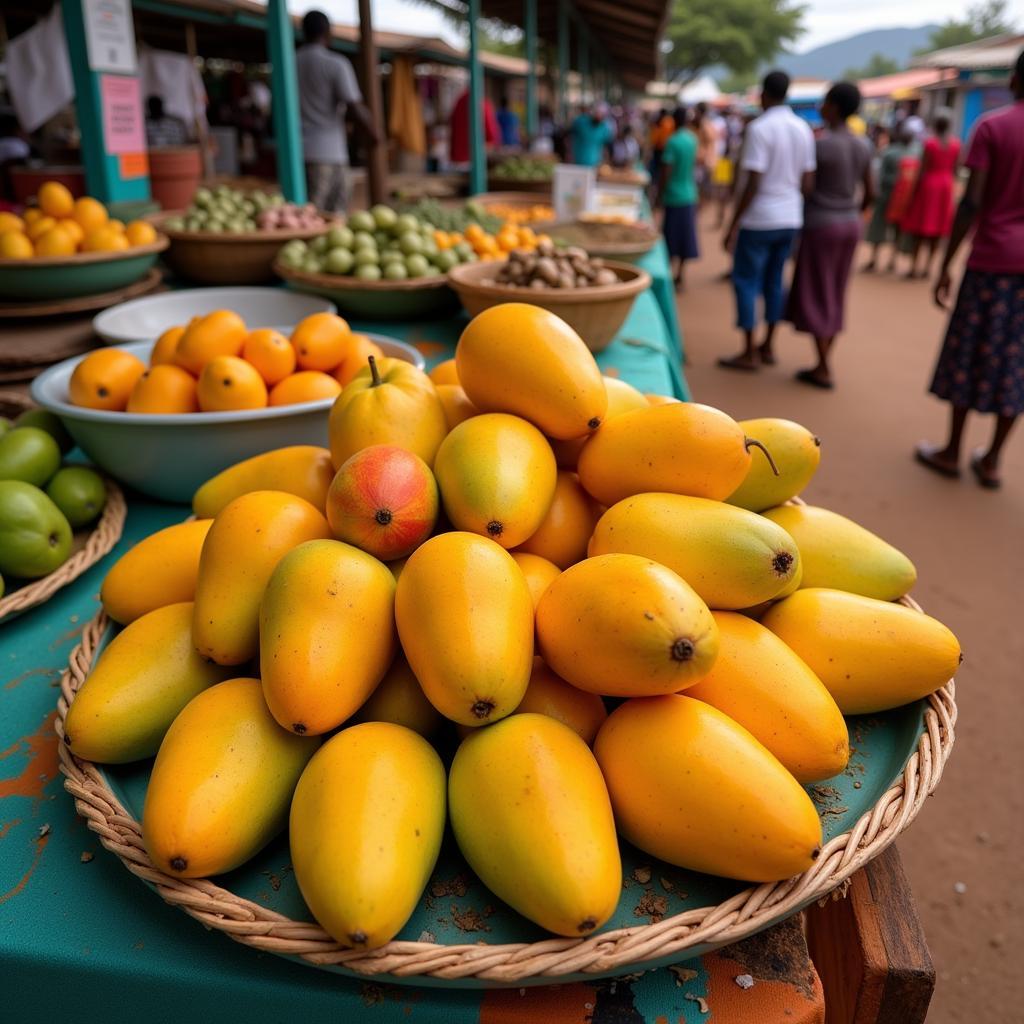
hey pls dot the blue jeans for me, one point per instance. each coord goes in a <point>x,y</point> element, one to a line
<point>757,266</point>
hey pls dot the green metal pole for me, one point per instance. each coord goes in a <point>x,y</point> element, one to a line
<point>530,34</point>
<point>477,153</point>
<point>563,59</point>
<point>285,87</point>
<point>583,54</point>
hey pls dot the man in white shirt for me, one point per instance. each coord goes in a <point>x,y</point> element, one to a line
<point>778,161</point>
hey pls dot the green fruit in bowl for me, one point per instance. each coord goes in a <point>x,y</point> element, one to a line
<point>48,421</point>
<point>368,272</point>
<point>28,454</point>
<point>35,538</point>
<point>410,243</point>
<point>363,240</point>
<point>395,271</point>
<point>338,261</point>
<point>405,223</point>
<point>362,221</point>
<point>319,245</point>
<point>392,256</point>
<point>341,238</point>
<point>463,249</point>
<point>202,197</point>
<point>416,264</point>
<point>175,223</point>
<point>445,260</point>
<point>291,258</point>
<point>311,264</point>
<point>383,216</point>
<point>5,425</point>
<point>366,258</point>
<point>79,493</point>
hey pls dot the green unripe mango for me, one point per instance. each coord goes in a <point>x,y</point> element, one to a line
<point>48,421</point>
<point>28,454</point>
<point>35,538</point>
<point>796,453</point>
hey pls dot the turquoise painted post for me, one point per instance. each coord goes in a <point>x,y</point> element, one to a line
<point>563,60</point>
<point>112,177</point>
<point>530,39</point>
<point>583,60</point>
<point>477,152</point>
<point>284,84</point>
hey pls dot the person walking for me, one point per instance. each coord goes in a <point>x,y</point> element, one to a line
<point>327,90</point>
<point>981,365</point>
<point>590,136</point>
<point>880,230</point>
<point>929,216</point>
<point>832,229</point>
<point>778,162</point>
<point>678,194</point>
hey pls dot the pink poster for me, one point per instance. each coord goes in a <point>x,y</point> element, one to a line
<point>123,130</point>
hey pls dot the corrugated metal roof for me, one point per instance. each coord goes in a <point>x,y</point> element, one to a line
<point>982,55</point>
<point>916,78</point>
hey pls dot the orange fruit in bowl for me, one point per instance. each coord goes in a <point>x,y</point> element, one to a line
<point>220,333</point>
<point>31,214</point>
<point>90,213</point>
<point>320,341</point>
<point>445,373</point>
<point>163,350</point>
<point>15,246</point>
<point>104,379</point>
<point>271,353</point>
<point>164,389</point>
<point>55,199</point>
<point>55,242</point>
<point>356,358</point>
<point>229,383</point>
<point>40,226</point>
<point>104,239</point>
<point>10,222</point>
<point>72,229</point>
<point>140,232</point>
<point>116,225</point>
<point>304,386</point>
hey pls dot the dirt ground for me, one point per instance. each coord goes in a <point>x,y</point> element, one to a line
<point>968,545</point>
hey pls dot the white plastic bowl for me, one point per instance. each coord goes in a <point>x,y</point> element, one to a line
<point>145,319</point>
<point>169,456</point>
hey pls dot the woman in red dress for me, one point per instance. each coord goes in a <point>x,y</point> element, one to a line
<point>929,216</point>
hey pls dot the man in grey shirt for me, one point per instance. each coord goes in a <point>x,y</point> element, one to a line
<point>327,88</point>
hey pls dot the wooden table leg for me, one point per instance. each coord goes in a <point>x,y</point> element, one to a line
<point>870,951</point>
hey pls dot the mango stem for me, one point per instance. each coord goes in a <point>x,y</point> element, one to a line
<point>752,441</point>
<point>374,373</point>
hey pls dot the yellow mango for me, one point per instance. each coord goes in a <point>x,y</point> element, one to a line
<point>549,694</point>
<point>693,788</point>
<point>681,448</point>
<point>564,532</point>
<point>496,474</point>
<point>539,573</point>
<point>246,541</point>
<point>759,682</point>
<point>871,655</point>
<point>457,407</point>
<point>624,626</point>
<point>303,470</point>
<point>365,829</point>
<point>465,619</point>
<point>531,815</point>
<point>222,782</point>
<point>732,558</point>
<point>388,402</point>
<point>399,699</point>
<point>140,682</point>
<point>622,397</point>
<point>796,453</point>
<point>161,569</point>
<point>522,359</point>
<point>838,553</point>
<point>327,634</point>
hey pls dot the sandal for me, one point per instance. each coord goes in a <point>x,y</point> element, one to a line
<point>984,478</point>
<point>738,363</point>
<point>808,377</point>
<point>925,454</point>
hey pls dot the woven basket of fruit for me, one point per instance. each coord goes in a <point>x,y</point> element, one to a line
<point>531,174</point>
<point>55,522</point>
<point>610,240</point>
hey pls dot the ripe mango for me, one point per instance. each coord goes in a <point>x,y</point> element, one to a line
<point>796,453</point>
<point>221,783</point>
<point>457,406</point>
<point>365,828</point>
<point>692,787</point>
<point>838,553</point>
<point>624,626</point>
<point>531,815</point>
<point>161,569</point>
<point>564,532</point>
<point>549,694</point>
<point>759,682</point>
<point>465,619</point>
<point>303,470</point>
<point>246,541</point>
<point>622,397</point>
<point>143,678</point>
<point>731,557</point>
<point>539,573</point>
<point>399,699</point>
<point>522,359</point>
<point>389,402</point>
<point>871,655</point>
<point>496,474</point>
<point>327,634</point>
<point>681,448</point>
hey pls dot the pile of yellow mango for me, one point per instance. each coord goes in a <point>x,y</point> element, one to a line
<point>606,595</point>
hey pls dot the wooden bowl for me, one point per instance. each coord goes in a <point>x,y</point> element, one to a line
<point>608,240</point>
<point>595,313</point>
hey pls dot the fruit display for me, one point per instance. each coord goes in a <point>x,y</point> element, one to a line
<point>524,168</point>
<point>226,210</point>
<point>551,625</point>
<point>42,503</point>
<point>547,266</point>
<point>216,363</point>
<point>515,213</point>
<point>489,214</point>
<point>60,225</point>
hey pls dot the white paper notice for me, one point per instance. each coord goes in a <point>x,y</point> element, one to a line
<point>110,35</point>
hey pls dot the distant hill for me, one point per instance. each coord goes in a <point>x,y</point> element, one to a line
<point>833,59</point>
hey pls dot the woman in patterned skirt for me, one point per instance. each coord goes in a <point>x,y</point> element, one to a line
<point>981,366</point>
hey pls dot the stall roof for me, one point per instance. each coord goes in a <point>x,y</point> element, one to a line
<point>901,84</point>
<point>982,55</point>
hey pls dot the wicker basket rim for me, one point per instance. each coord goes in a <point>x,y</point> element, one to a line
<point>632,281</point>
<point>280,235</point>
<point>80,258</point>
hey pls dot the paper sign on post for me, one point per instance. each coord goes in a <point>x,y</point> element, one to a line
<point>571,190</point>
<point>109,35</point>
<point>120,99</point>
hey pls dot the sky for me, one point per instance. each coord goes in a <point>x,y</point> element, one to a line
<point>825,20</point>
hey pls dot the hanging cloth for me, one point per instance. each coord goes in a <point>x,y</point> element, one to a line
<point>405,118</point>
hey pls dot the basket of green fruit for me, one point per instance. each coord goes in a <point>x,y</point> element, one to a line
<point>522,174</point>
<point>56,520</point>
<point>228,236</point>
<point>381,264</point>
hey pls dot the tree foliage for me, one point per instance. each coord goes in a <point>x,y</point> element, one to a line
<point>740,35</point>
<point>878,64</point>
<point>983,19</point>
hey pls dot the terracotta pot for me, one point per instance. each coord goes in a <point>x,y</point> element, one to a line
<point>174,175</point>
<point>26,181</point>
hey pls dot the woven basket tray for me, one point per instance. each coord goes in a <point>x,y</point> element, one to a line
<point>728,912</point>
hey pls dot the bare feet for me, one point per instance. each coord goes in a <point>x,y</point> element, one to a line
<point>817,378</point>
<point>938,460</point>
<point>746,361</point>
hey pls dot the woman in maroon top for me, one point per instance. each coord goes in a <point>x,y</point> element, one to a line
<point>981,366</point>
